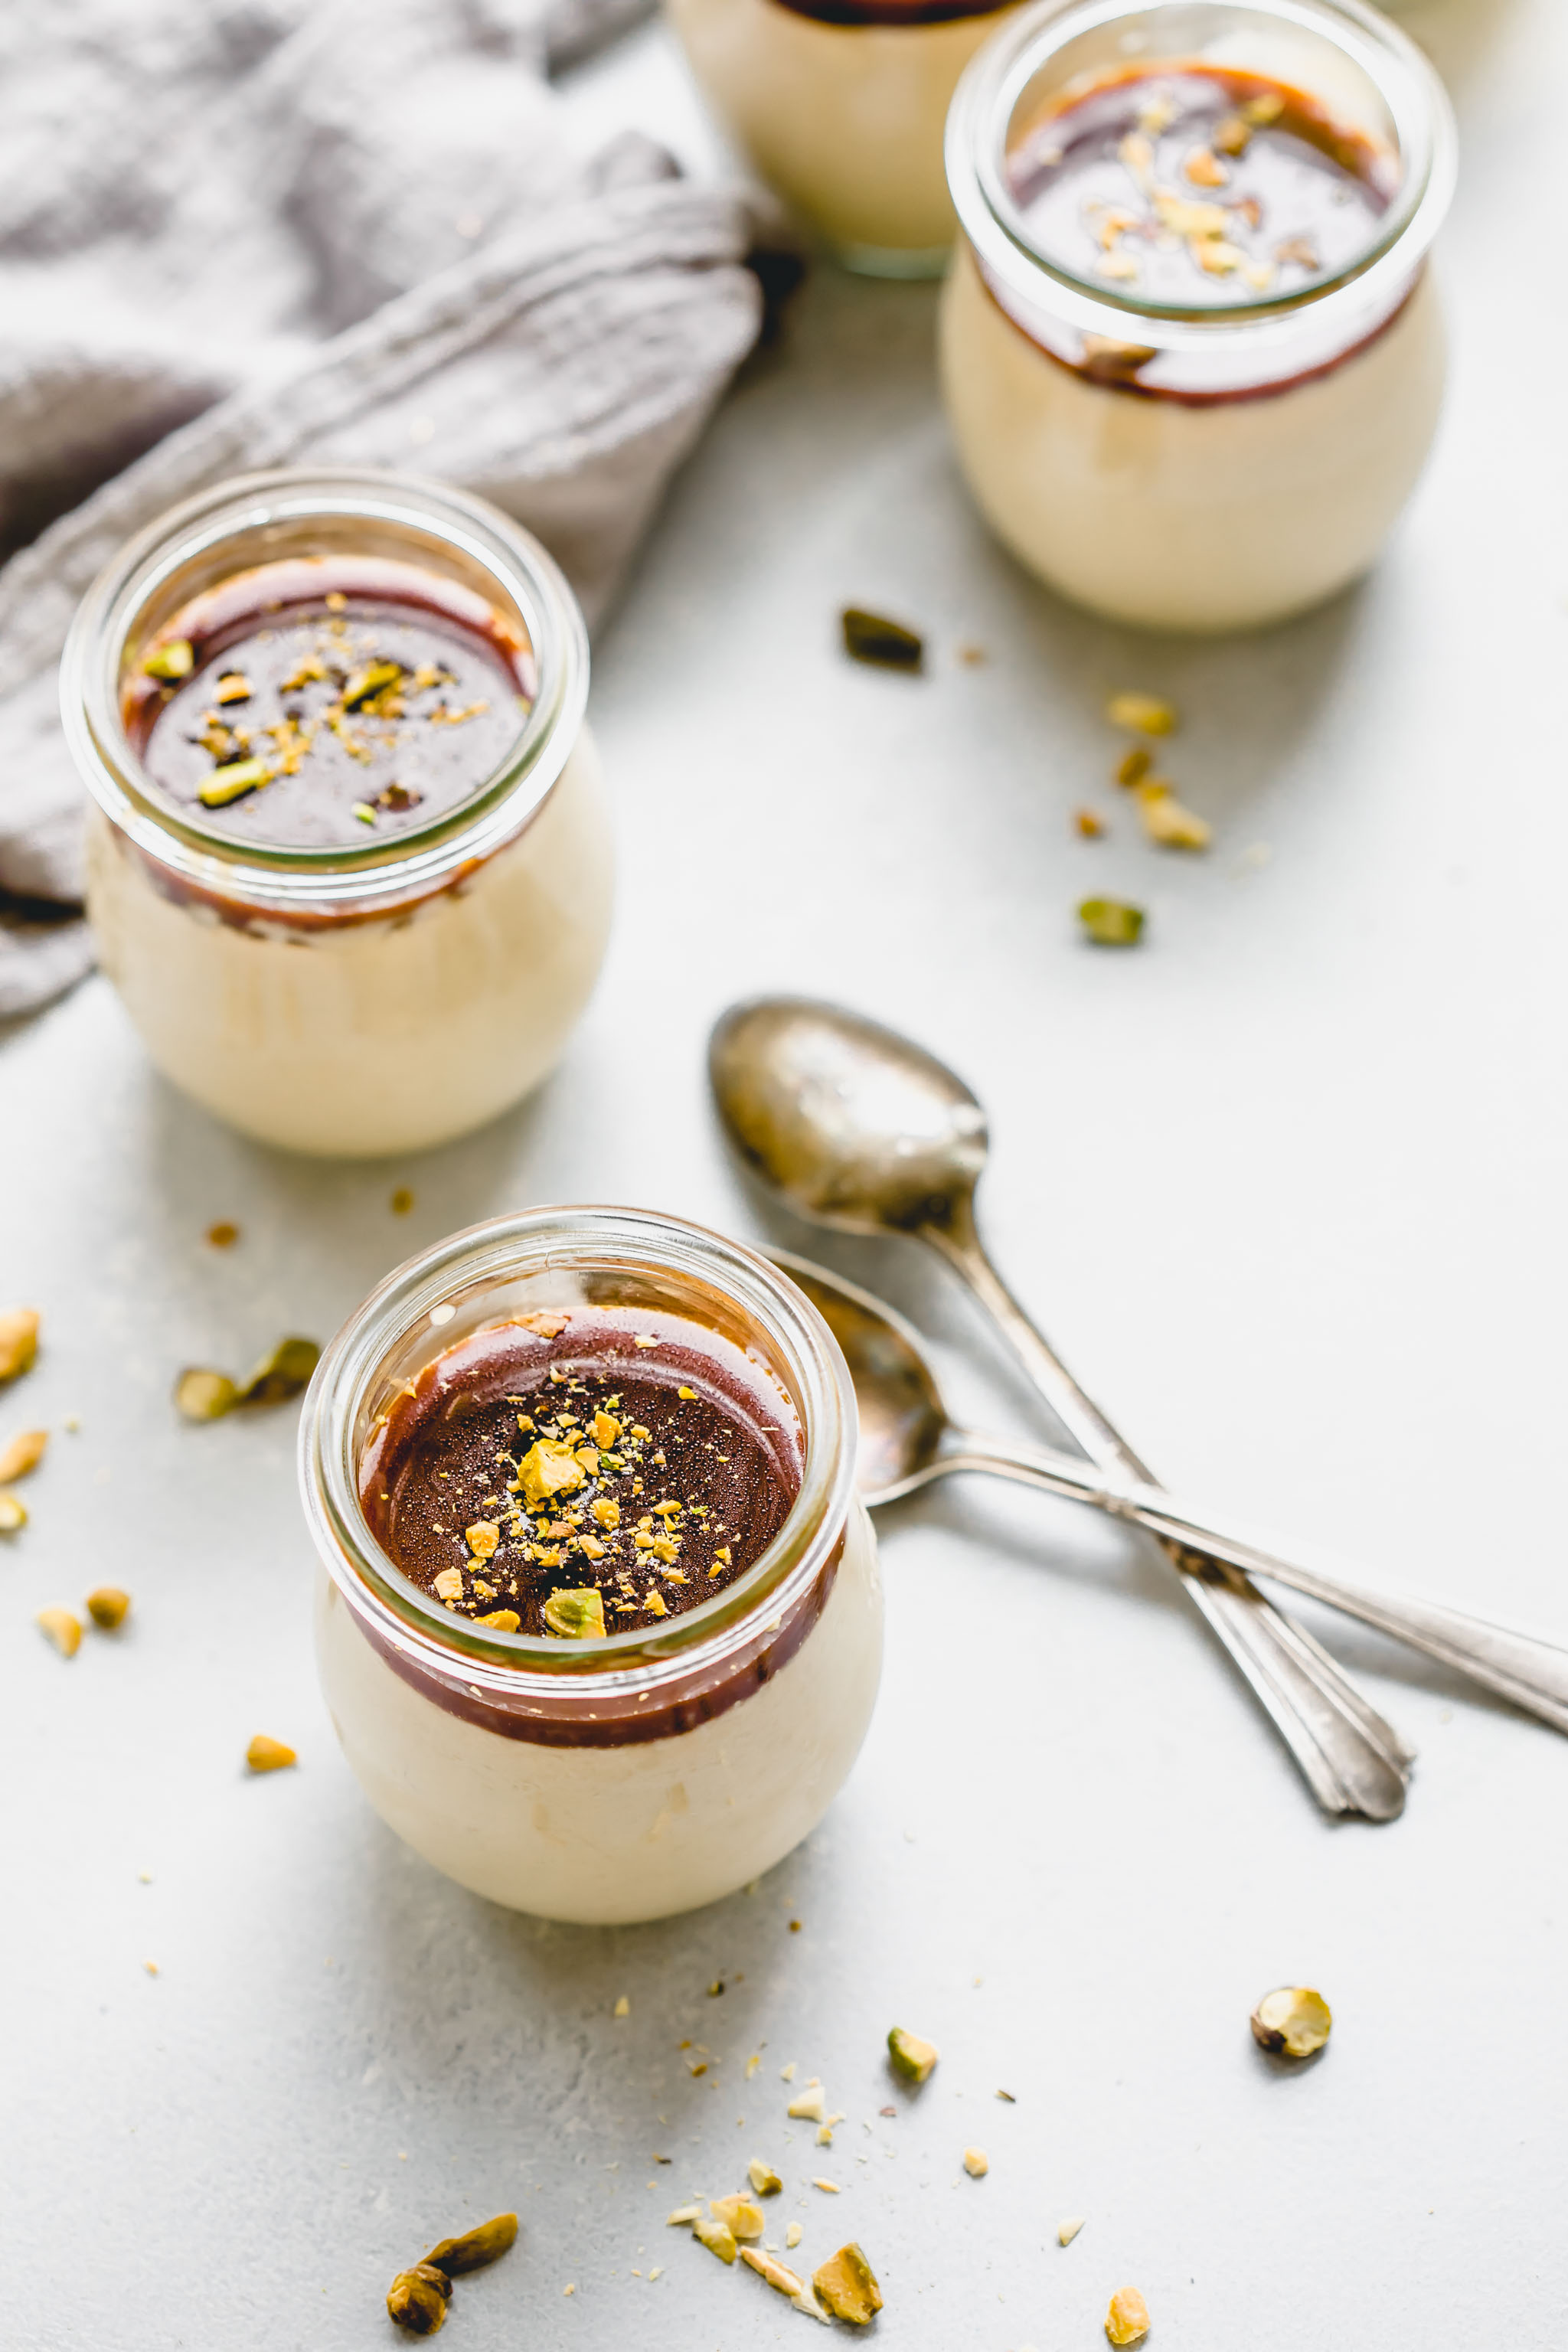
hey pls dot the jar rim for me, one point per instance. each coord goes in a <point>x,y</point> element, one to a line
<point>297,879</point>
<point>630,1664</point>
<point>993,85</point>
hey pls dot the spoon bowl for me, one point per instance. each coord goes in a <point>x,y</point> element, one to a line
<point>902,1417</point>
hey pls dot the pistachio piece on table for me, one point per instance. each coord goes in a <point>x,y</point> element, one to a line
<point>1293,2022</point>
<point>174,659</point>
<point>18,1341</point>
<point>1127,2320</point>
<point>418,2299</point>
<point>108,1607</point>
<point>976,2163</point>
<point>683,2216</point>
<point>1167,821</point>
<point>872,637</point>
<point>764,2180</point>
<point>1144,714</point>
<point>848,2285</point>
<point>23,1453</point>
<point>265,1755</point>
<point>909,2056</point>
<point>1111,922</point>
<point>13,1513</point>
<point>1067,2230</point>
<point>779,2275</point>
<point>62,1629</point>
<point>809,2105</point>
<point>739,2215</point>
<point>485,2243</point>
<point>576,1615</point>
<point>204,1395</point>
<point>717,2236</point>
<point>282,1373</point>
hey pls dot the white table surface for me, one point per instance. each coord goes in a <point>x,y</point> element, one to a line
<point>1287,1187</point>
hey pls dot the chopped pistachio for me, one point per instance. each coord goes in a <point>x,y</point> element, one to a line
<point>108,1607</point>
<point>223,1235</point>
<point>547,1321</point>
<point>588,1456</point>
<point>809,2105</point>
<point>624,2009</point>
<point>1145,714</point>
<point>373,679</point>
<point>449,1584</point>
<point>549,1468</point>
<point>683,2216</point>
<point>1111,922</point>
<point>848,2285</point>
<point>717,2236</point>
<point>282,1373</point>
<point>739,2215</point>
<point>363,811</point>
<point>828,2188</point>
<point>778,2275</point>
<point>1266,107</point>
<point>576,1615</point>
<point>764,2180</point>
<point>1294,2022</point>
<point>265,1755</point>
<point>606,1510</point>
<point>1067,2230</point>
<point>23,1453</point>
<point>13,1513</point>
<point>1166,821</point>
<point>976,2163</point>
<point>1232,135</point>
<point>484,2244</point>
<point>233,780</point>
<point>62,1629</point>
<point>174,659</point>
<point>1127,2321</point>
<point>1088,823</point>
<point>418,2299</point>
<point>233,687</point>
<point>18,1341</point>
<point>504,1621</point>
<point>1203,168</point>
<point>482,1538</point>
<point>871,637</point>
<point>794,2235</point>
<point>909,2056</point>
<point>1134,765</point>
<point>203,1395</point>
<point>607,1429</point>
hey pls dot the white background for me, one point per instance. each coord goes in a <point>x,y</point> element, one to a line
<point>1288,1188</point>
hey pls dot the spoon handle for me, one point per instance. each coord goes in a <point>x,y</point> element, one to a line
<point>1351,1758</point>
<point>1532,1672</point>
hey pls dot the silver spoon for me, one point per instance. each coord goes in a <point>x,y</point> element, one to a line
<point>907,1439</point>
<point>860,1128</point>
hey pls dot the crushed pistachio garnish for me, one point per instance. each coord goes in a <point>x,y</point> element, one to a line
<point>1293,2022</point>
<point>23,1453</point>
<point>233,687</point>
<point>909,2056</point>
<point>577,1614</point>
<point>848,2285</point>
<point>1127,2320</point>
<point>482,1538</point>
<point>683,2216</point>
<point>62,1629</point>
<point>448,1585</point>
<point>794,2235</point>
<point>717,2236</point>
<point>1111,922</point>
<point>739,2215</point>
<point>265,1755</point>
<point>764,2180</point>
<point>1167,822</point>
<point>504,1621</point>
<point>18,1341</point>
<point>108,1607</point>
<point>872,637</point>
<point>1145,714</point>
<point>549,1468</point>
<point>233,780</point>
<point>174,660</point>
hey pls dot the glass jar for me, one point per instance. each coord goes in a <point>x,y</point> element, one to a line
<point>840,106</point>
<point>1214,465</point>
<point>647,1772</point>
<point>346,1000</point>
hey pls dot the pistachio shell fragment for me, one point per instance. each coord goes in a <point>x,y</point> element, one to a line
<point>576,1615</point>
<point>909,2056</point>
<point>13,1513</point>
<point>739,2215</point>
<point>717,2236</point>
<point>108,1608</point>
<point>203,1395</point>
<point>418,2299</point>
<point>1293,2022</point>
<point>233,780</point>
<point>265,1755</point>
<point>1111,922</point>
<point>764,2180</point>
<point>872,637</point>
<point>1127,2320</point>
<point>549,1467</point>
<point>281,1373</point>
<point>175,659</point>
<point>848,2285</point>
<point>476,2247</point>
<point>62,1629</point>
<point>1146,714</point>
<point>23,1453</point>
<point>18,1341</point>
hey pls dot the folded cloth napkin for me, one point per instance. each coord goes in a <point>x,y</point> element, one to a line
<point>266,232</point>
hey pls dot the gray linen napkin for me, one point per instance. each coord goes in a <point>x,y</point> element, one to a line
<point>262,232</point>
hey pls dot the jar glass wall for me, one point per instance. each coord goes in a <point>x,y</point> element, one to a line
<point>646,1771</point>
<point>349,995</point>
<point>1191,354</point>
<point>839,105</point>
